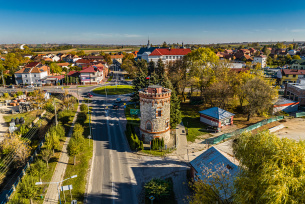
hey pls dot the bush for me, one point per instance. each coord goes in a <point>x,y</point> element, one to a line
<point>157,143</point>
<point>82,117</point>
<point>19,93</point>
<point>59,129</point>
<point>49,107</point>
<point>64,116</point>
<point>84,107</point>
<point>78,132</point>
<point>159,188</point>
<point>6,95</point>
<point>133,140</point>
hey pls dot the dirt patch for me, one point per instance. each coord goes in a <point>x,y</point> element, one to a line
<point>294,129</point>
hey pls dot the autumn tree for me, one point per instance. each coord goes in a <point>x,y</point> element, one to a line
<point>259,95</point>
<point>52,141</point>
<point>55,68</point>
<point>74,148</point>
<point>272,169</point>
<point>296,57</point>
<point>128,66</point>
<point>108,59</point>
<point>80,53</point>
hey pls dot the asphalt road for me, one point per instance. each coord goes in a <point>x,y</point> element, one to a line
<point>111,177</point>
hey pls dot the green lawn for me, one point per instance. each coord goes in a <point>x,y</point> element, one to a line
<point>191,121</point>
<point>28,117</point>
<point>114,90</point>
<point>85,86</point>
<point>80,168</point>
<point>130,118</point>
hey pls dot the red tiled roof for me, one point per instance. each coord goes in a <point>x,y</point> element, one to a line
<point>32,64</point>
<point>84,61</point>
<point>167,51</point>
<point>91,69</point>
<point>63,64</point>
<point>57,77</point>
<point>72,72</point>
<point>116,56</point>
<point>293,71</point>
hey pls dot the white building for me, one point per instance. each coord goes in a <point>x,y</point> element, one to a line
<point>261,59</point>
<point>165,54</point>
<point>92,75</point>
<point>32,75</point>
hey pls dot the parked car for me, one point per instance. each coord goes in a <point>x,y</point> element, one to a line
<point>89,95</point>
<point>30,87</point>
<point>115,106</point>
<point>11,87</point>
<point>213,129</point>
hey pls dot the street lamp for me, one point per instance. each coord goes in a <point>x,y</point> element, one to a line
<point>58,184</point>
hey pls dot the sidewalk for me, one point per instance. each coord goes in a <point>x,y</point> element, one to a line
<point>181,142</point>
<point>52,193</point>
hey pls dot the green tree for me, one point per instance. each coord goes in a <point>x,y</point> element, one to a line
<point>39,168</point>
<point>108,59</point>
<point>164,44</point>
<point>139,82</point>
<point>80,53</point>
<point>272,169</point>
<point>259,95</point>
<point>55,68</point>
<point>159,188</point>
<point>46,155</point>
<point>296,57</point>
<point>28,189</point>
<point>74,148</point>
<point>52,141</point>
<point>288,58</point>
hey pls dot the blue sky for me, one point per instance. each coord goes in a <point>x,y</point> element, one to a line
<point>131,22</point>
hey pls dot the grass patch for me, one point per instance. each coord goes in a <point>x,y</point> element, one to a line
<point>191,121</point>
<point>65,87</point>
<point>85,86</point>
<point>157,153</point>
<point>28,117</point>
<point>131,119</point>
<point>114,90</point>
<point>110,78</point>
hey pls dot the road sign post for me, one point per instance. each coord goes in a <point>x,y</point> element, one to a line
<point>151,198</point>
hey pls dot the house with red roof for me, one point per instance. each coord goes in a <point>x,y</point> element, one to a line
<point>92,75</point>
<point>165,54</point>
<point>32,75</point>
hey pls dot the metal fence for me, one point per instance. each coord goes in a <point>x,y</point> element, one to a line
<point>222,137</point>
<point>300,114</point>
<point>6,195</point>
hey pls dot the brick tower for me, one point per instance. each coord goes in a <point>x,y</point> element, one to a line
<point>155,113</point>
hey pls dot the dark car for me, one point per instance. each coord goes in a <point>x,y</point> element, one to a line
<point>11,87</point>
<point>89,95</point>
<point>115,106</point>
<point>214,129</point>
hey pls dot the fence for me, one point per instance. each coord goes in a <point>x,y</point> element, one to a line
<point>218,139</point>
<point>8,193</point>
<point>301,114</point>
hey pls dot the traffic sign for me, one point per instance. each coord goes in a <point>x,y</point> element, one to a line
<point>106,107</point>
<point>124,104</point>
<point>66,188</point>
<point>124,107</point>
<point>151,197</point>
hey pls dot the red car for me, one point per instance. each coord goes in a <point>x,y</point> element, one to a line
<point>89,95</point>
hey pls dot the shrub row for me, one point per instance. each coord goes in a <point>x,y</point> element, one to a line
<point>133,140</point>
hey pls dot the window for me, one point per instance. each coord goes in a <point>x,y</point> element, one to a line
<point>34,75</point>
<point>148,126</point>
<point>159,113</point>
<point>26,76</point>
<point>166,124</point>
<point>26,80</point>
<point>174,57</point>
<point>286,75</point>
<point>166,57</point>
<point>294,75</point>
<point>170,57</point>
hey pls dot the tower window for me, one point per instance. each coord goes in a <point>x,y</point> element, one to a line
<point>148,126</point>
<point>159,113</point>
